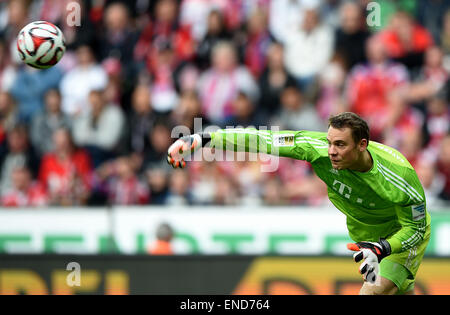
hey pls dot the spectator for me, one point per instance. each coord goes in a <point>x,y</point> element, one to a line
<point>8,116</point>
<point>432,182</point>
<point>299,185</point>
<point>179,194</point>
<point>295,114</point>
<point>159,140</point>
<point>25,192</point>
<point>445,35</point>
<point>164,28</point>
<point>141,118</point>
<point>258,40</point>
<point>45,123</point>
<point>286,15</point>
<point>234,12</point>
<point>16,17</point>
<point>8,67</point>
<point>376,90</point>
<point>351,35</point>
<point>219,85</point>
<point>443,165</point>
<point>274,79</point>
<point>100,129</point>
<point>387,10</point>
<point>122,184</point>
<point>430,14</point>
<point>51,10</point>
<point>331,82</point>
<point>272,192</point>
<point>18,153</point>
<point>164,237</point>
<point>431,78</point>
<point>245,113</point>
<point>188,111</point>
<point>410,145</point>
<point>405,40</point>
<point>203,175</point>
<point>163,89</point>
<point>118,37</point>
<point>77,83</point>
<point>194,16</point>
<point>66,172</point>
<point>250,180</point>
<point>58,13</point>
<point>226,192</point>
<point>116,43</point>
<point>157,180</point>
<point>29,88</point>
<point>436,124</point>
<point>308,48</point>
<point>185,77</point>
<point>216,32</point>
<point>116,87</point>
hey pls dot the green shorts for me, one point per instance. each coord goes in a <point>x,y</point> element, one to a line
<point>401,268</point>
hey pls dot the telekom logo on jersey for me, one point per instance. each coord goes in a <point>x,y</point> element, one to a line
<point>345,190</point>
<point>342,188</point>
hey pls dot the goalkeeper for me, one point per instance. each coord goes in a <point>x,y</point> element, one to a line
<point>372,184</point>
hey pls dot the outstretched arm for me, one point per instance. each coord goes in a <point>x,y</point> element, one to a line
<point>301,145</point>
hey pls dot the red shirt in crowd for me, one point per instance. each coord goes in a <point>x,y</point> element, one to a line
<point>421,39</point>
<point>34,196</point>
<point>58,176</point>
<point>368,91</point>
<point>128,191</point>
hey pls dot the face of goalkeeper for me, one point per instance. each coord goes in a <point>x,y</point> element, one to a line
<point>348,138</point>
<point>343,151</point>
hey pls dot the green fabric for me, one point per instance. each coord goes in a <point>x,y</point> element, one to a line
<point>401,268</point>
<point>388,8</point>
<point>388,201</point>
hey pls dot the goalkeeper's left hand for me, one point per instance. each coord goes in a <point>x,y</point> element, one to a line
<point>372,253</point>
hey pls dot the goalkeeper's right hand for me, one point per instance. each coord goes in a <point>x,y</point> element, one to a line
<point>182,148</point>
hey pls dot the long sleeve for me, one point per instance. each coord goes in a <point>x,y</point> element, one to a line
<point>300,145</point>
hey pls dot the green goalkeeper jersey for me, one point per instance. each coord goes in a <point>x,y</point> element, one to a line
<point>388,201</point>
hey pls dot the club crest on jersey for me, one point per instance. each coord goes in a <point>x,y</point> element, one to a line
<point>418,212</point>
<point>283,140</point>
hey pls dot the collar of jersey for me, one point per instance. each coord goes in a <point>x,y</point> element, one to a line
<point>373,169</point>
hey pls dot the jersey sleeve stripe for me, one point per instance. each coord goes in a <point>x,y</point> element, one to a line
<point>398,185</point>
<point>414,239</point>
<point>316,145</point>
<point>410,188</point>
<point>312,140</point>
<point>398,179</point>
<point>249,132</point>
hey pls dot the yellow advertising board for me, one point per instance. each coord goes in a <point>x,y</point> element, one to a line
<point>188,275</point>
<point>305,275</point>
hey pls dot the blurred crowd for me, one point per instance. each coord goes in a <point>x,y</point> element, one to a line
<point>95,128</point>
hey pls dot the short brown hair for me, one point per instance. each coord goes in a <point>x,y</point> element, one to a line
<point>359,127</point>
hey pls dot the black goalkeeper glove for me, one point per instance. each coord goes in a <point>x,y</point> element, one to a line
<point>372,253</point>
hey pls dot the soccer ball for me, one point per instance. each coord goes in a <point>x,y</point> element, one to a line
<point>41,44</point>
